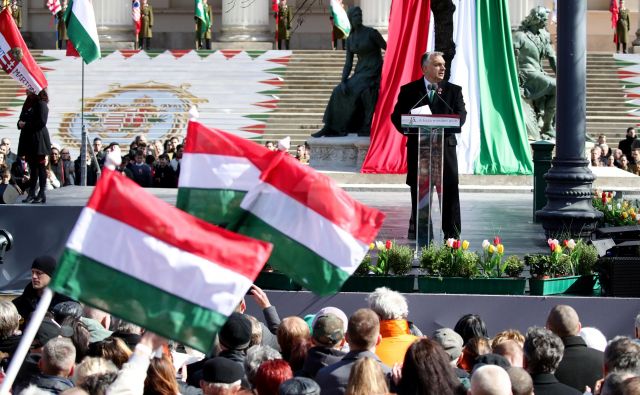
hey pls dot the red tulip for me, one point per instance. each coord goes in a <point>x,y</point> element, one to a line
<point>604,195</point>
<point>496,240</point>
<point>388,245</point>
<point>565,242</point>
<point>456,245</point>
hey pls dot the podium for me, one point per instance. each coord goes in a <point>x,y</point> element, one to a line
<point>430,131</point>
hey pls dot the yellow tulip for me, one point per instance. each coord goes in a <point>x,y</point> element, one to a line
<point>372,246</point>
<point>465,245</point>
<point>492,249</point>
<point>624,215</point>
<point>558,248</point>
<point>500,249</point>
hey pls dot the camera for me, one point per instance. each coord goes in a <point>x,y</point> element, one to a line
<point>5,243</point>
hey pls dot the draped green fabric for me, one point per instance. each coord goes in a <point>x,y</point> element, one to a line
<point>504,146</point>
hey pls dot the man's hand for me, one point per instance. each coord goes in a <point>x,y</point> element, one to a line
<point>152,340</point>
<point>260,297</point>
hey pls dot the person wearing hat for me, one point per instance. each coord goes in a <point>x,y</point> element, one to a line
<point>299,386</point>
<point>42,269</point>
<point>221,376</point>
<point>328,339</point>
<point>452,343</point>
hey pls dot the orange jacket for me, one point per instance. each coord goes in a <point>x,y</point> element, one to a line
<point>396,339</point>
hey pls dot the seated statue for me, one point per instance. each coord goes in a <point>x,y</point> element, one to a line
<point>352,103</point>
<point>532,44</point>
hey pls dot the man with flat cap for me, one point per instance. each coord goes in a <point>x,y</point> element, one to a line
<point>42,269</point>
<point>221,376</point>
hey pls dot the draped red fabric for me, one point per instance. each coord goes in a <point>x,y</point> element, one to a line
<point>408,33</point>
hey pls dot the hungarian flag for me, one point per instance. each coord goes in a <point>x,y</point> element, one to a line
<point>135,15</point>
<point>340,18</point>
<point>147,262</point>
<point>203,15</point>
<point>54,6</point>
<point>320,233</point>
<point>81,29</point>
<point>15,58</point>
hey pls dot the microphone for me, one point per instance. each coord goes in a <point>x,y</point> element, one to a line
<point>434,87</point>
<point>429,89</point>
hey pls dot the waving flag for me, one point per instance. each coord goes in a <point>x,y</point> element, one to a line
<point>135,15</point>
<point>340,18</point>
<point>54,6</point>
<point>141,259</point>
<point>81,29</point>
<point>15,58</point>
<point>203,15</point>
<point>320,233</point>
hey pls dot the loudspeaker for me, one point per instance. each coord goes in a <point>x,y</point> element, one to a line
<point>8,194</point>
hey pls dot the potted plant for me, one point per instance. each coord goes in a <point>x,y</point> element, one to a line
<point>390,269</point>
<point>567,269</point>
<point>453,269</point>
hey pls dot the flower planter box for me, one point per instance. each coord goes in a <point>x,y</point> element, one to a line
<point>403,284</point>
<point>574,285</point>
<point>475,286</point>
<point>276,281</point>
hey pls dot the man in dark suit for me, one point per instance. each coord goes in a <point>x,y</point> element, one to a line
<point>580,366</point>
<point>446,98</point>
<point>542,354</point>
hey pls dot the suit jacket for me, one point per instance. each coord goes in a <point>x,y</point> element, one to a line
<point>414,94</point>
<point>548,384</point>
<point>580,365</point>
<point>333,379</point>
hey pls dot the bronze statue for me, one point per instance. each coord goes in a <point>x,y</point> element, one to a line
<point>532,44</point>
<point>352,103</point>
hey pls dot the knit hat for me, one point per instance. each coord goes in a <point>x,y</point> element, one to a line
<point>450,341</point>
<point>299,386</point>
<point>45,264</point>
<point>236,332</point>
<point>221,370</point>
<point>328,330</point>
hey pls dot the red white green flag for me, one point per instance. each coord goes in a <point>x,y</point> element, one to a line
<point>147,262</point>
<point>320,233</point>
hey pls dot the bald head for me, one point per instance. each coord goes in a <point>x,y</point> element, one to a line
<point>521,382</point>
<point>563,321</point>
<point>511,350</point>
<point>490,380</point>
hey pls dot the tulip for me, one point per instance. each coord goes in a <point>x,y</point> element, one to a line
<point>565,242</point>
<point>492,249</point>
<point>571,244</point>
<point>550,242</point>
<point>611,194</point>
<point>379,245</point>
<point>465,245</point>
<point>372,246</point>
<point>500,249</point>
<point>604,195</point>
<point>618,206</point>
<point>388,244</point>
<point>609,207</point>
<point>624,215</point>
<point>485,244</point>
<point>558,248</point>
<point>450,242</point>
<point>496,241</point>
<point>604,200</point>
<point>456,244</point>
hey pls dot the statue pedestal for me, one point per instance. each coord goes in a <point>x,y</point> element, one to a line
<point>338,153</point>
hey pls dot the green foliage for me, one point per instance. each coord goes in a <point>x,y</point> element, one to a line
<point>617,212</point>
<point>400,259</point>
<point>587,257</point>
<point>431,259</point>
<point>363,268</point>
<point>542,266</point>
<point>514,266</point>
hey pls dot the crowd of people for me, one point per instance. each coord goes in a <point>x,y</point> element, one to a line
<point>625,157</point>
<point>374,350</point>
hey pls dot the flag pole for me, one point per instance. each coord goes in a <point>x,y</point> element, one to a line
<point>26,340</point>
<point>83,144</point>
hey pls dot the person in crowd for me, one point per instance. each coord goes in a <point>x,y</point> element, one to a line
<point>129,333</point>
<point>35,143</point>
<point>613,384</point>
<point>270,145</point>
<point>56,366</point>
<point>635,166</point>
<point>543,351</point>
<point>596,156</point>
<point>299,353</point>
<point>95,375</point>
<point>256,355</point>
<point>624,163</point>
<point>5,145</point>
<point>283,17</point>
<point>146,32</point>
<point>3,160</point>
<point>521,383</point>
<point>57,166</point>
<point>328,340</point>
<point>475,347</point>
<point>301,154</point>
<point>52,181</point>
<point>92,170</point>
<point>161,377</point>
<point>363,334</point>
<point>606,152</point>
<point>623,25</point>
<point>112,349</point>
<point>61,27</point>
<point>141,171</point>
<point>622,355</point>
<point>271,317</point>
<point>580,366</point>
<point>9,328</point>
<point>426,370</point>
<point>270,375</point>
<point>451,342</point>
<point>80,337</point>
<point>636,327</point>
<point>221,377</point>
<point>631,386</point>
<point>470,326</point>
<point>617,154</point>
<point>490,380</point>
<point>256,331</point>
<point>291,331</point>
<point>509,334</point>
<point>511,351</point>
<point>98,322</point>
<point>163,175</point>
<point>593,338</point>
<point>170,146</point>
<point>393,311</point>
<point>629,141</point>
<point>69,168</point>
<point>42,269</point>
<point>367,378</point>
<point>336,32</point>
<point>175,161</point>
<point>299,386</point>
<point>21,173</point>
<point>63,310</point>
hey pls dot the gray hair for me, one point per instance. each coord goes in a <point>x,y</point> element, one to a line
<point>622,355</point>
<point>521,382</point>
<point>543,350</point>
<point>388,304</point>
<point>490,380</point>
<point>129,328</point>
<point>9,319</point>
<point>638,322</point>
<point>613,384</point>
<point>256,355</point>
<point>59,354</point>
<point>428,57</point>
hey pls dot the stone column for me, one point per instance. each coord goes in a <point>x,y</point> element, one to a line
<point>375,14</point>
<point>569,209</point>
<point>245,20</point>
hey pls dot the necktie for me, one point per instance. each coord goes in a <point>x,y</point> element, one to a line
<point>431,93</point>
